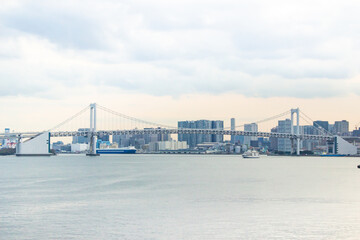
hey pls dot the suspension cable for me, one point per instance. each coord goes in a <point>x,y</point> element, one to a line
<point>318,127</point>
<point>265,120</point>
<point>132,118</point>
<point>69,119</point>
<point>315,128</point>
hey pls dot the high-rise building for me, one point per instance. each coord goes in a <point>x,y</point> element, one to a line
<point>284,144</point>
<point>81,139</point>
<point>194,139</point>
<point>4,143</point>
<point>252,127</point>
<point>273,140</point>
<point>309,144</point>
<point>203,124</point>
<point>356,133</point>
<point>138,140</point>
<point>341,127</point>
<point>323,125</point>
<point>236,139</point>
<point>122,140</point>
<point>167,145</point>
<point>308,129</point>
<point>104,138</point>
<point>220,126</point>
<point>233,129</point>
<point>189,138</point>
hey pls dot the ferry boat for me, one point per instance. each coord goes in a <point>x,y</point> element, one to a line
<point>124,150</point>
<point>251,154</point>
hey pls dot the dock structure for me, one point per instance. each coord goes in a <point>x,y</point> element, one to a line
<point>38,145</point>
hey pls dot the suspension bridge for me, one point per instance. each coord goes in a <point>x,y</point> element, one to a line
<point>102,121</point>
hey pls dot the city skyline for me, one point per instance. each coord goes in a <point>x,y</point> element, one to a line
<point>239,121</point>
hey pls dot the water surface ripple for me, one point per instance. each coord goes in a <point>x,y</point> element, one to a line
<point>179,197</point>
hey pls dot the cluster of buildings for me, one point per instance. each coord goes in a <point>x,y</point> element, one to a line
<point>285,146</point>
<point>212,143</point>
<point>194,139</point>
<point>7,142</point>
<point>144,143</point>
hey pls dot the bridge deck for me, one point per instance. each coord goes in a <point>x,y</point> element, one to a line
<point>171,131</point>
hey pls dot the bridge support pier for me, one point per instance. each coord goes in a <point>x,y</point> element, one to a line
<point>298,146</point>
<point>93,138</point>
<point>297,112</point>
<point>35,146</point>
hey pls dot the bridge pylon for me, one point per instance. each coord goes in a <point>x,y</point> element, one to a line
<point>297,112</point>
<point>92,133</point>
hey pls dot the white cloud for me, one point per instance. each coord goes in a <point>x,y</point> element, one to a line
<point>260,48</point>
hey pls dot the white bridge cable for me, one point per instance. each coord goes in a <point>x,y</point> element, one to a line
<point>318,127</point>
<point>70,119</point>
<point>318,130</point>
<point>133,119</point>
<point>264,120</point>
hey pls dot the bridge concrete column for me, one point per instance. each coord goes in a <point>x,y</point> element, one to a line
<point>297,112</point>
<point>92,133</point>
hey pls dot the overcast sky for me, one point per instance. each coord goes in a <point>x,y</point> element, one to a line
<point>165,60</point>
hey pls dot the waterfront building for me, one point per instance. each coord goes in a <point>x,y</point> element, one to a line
<point>6,143</point>
<point>274,141</point>
<point>308,144</point>
<point>254,144</point>
<point>105,144</point>
<point>322,125</point>
<point>167,145</point>
<point>122,140</point>
<point>264,142</point>
<point>252,127</point>
<point>239,140</point>
<point>235,139</point>
<point>203,124</point>
<point>155,137</point>
<point>79,147</point>
<point>341,128</point>
<point>284,144</point>
<point>57,146</point>
<point>189,138</point>
<point>194,139</point>
<point>81,139</point>
<point>308,129</point>
<point>139,140</point>
<point>104,138</point>
<point>220,126</point>
<point>356,133</point>
<point>232,120</point>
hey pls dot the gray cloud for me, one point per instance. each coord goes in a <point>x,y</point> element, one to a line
<point>64,28</point>
<point>257,49</point>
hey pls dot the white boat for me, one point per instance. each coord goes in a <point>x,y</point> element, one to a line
<point>251,154</point>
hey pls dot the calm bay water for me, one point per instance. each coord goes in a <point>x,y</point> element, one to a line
<point>179,197</point>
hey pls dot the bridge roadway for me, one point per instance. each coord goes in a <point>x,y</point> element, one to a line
<point>170,131</point>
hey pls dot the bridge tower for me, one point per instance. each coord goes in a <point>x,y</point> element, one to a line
<point>92,133</point>
<point>297,112</point>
